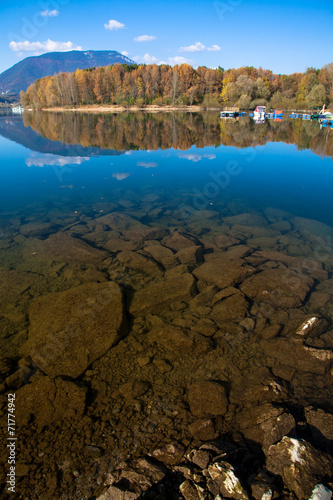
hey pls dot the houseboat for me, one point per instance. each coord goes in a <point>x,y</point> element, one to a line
<point>259,113</point>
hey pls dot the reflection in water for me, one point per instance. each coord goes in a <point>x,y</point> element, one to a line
<point>162,295</point>
<point>128,131</point>
<point>60,161</point>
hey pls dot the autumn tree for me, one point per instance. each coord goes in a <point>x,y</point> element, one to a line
<point>317,96</point>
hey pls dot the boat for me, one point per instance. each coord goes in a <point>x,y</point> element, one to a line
<point>228,114</point>
<point>259,113</point>
<point>17,110</point>
<point>326,115</point>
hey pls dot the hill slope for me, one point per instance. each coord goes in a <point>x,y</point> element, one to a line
<point>24,73</point>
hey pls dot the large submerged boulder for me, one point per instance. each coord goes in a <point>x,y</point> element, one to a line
<point>69,330</point>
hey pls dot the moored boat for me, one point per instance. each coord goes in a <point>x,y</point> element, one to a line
<point>228,114</point>
<point>260,112</point>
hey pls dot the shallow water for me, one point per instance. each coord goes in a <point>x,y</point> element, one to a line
<point>219,235</point>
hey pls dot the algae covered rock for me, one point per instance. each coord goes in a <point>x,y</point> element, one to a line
<point>69,330</point>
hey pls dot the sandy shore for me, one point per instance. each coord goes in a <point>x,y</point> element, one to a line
<point>120,109</point>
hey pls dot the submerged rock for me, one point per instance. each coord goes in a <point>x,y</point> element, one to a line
<point>265,424</point>
<point>230,309</point>
<point>69,330</point>
<point>280,288</point>
<point>48,400</point>
<point>158,297</point>
<point>222,271</point>
<point>314,325</point>
<point>177,241</point>
<point>321,426</point>
<point>320,492</point>
<point>190,255</point>
<point>145,233</point>
<point>162,255</point>
<point>139,262</point>
<point>138,475</point>
<point>224,475</point>
<point>207,399</point>
<point>313,230</point>
<point>179,340</point>
<point>299,464</point>
<point>62,247</point>
<point>37,228</point>
<point>171,454</point>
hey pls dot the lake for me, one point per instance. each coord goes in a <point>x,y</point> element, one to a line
<point>164,278</point>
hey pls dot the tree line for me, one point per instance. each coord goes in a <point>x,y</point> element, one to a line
<point>182,85</point>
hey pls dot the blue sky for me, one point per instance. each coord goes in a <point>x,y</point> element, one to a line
<point>284,36</point>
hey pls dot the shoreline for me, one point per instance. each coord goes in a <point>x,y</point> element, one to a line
<point>150,109</point>
<point>121,109</point>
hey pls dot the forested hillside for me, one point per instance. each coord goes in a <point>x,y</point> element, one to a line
<point>182,85</point>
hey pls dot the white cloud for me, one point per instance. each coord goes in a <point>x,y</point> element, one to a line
<point>147,164</point>
<point>53,160</point>
<point>50,13</point>
<point>114,25</point>
<point>179,60</point>
<point>196,158</point>
<point>146,59</point>
<point>120,176</point>
<point>40,47</point>
<point>125,53</point>
<point>199,47</point>
<point>149,59</point>
<point>144,38</point>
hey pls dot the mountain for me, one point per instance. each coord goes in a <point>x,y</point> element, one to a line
<point>24,73</point>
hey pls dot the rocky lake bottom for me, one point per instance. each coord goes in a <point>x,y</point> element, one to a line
<point>157,354</point>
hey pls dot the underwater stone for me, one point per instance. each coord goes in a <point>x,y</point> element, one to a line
<point>69,330</point>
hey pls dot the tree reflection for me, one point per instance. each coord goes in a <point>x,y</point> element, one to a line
<point>130,131</point>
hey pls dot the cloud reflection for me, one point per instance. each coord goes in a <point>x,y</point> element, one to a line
<point>120,176</point>
<point>196,158</point>
<point>53,160</point>
<point>151,164</point>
